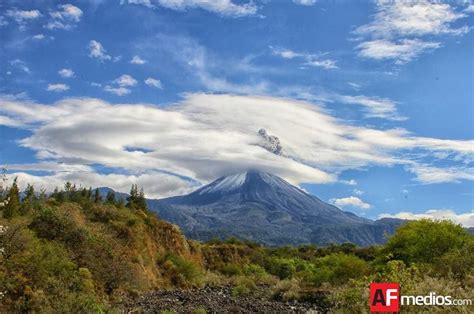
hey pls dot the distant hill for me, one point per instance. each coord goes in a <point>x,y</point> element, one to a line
<point>261,207</point>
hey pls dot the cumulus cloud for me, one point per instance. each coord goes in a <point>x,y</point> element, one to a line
<point>57,87</point>
<point>206,136</point>
<point>125,80</point>
<point>153,83</point>
<point>222,7</point>
<point>466,219</point>
<point>97,51</point>
<point>137,60</point>
<point>66,73</point>
<point>121,85</point>
<point>399,29</point>
<point>66,17</point>
<point>350,201</point>
<point>22,16</point>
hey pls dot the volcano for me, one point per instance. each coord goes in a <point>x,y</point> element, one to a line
<point>262,207</point>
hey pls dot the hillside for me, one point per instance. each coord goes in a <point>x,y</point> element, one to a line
<point>75,252</point>
<point>261,207</point>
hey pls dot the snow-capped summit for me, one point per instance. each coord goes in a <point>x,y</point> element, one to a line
<point>225,184</point>
<point>260,206</point>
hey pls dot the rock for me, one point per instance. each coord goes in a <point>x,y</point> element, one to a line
<point>214,300</point>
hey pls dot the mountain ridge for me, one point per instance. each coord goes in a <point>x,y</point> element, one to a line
<point>262,207</point>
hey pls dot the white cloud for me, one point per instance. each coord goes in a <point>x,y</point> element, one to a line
<point>66,73</point>
<point>125,80</point>
<point>349,182</point>
<point>465,219</point>
<point>305,2</point>
<point>286,53</point>
<point>412,18</point>
<point>358,192</point>
<point>402,51</point>
<point>431,175</point>
<point>38,37</point>
<point>65,18</point>
<point>119,91</point>
<point>355,86</point>
<point>57,87</point>
<point>121,85</point>
<point>153,83</point>
<point>137,60</point>
<point>350,201</point>
<point>313,60</point>
<point>222,7</point>
<point>23,16</point>
<point>399,29</point>
<point>168,185</point>
<point>20,65</point>
<point>374,107</point>
<point>206,136</point>
<point>326,64</point>
<point>469,8</point>
<point>96,50</point>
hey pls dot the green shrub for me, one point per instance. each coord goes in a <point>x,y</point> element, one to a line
<point>231,269</point>
<point>243,286</point>
<point>182,271</point>
<point>340,267</point>
<point>283,268</point>
<point>425,240</point>
<point>50,224</point>
<point>458,262</point>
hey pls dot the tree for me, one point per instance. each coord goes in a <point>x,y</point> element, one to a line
<point>142,200</point>
<point>110,199</point>
<point>136,200</point>
<point>11,209</point>
<point>132,198</point>
<point>29,200</point>
<point>29,193</point>
<point>97,198</point>
<point>58,195</point>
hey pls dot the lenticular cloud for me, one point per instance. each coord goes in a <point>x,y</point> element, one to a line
<point>206,136</point>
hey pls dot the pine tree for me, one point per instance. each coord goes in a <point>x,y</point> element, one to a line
<point>29,193</point>
<point>29,199</point>
<point>141,201</point>
<point>97,198</point>
<point>42,195</point>
<point>110,198</point>
<point>136,200</point>
<point>12,207</point>
<point>132,199</point>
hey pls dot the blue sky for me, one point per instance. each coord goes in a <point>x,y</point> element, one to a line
<point>371,102</point>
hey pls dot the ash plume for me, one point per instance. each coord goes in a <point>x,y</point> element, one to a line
<point>270,142</point>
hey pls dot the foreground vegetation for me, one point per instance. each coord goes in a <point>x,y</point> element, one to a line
<point>73,251</point>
